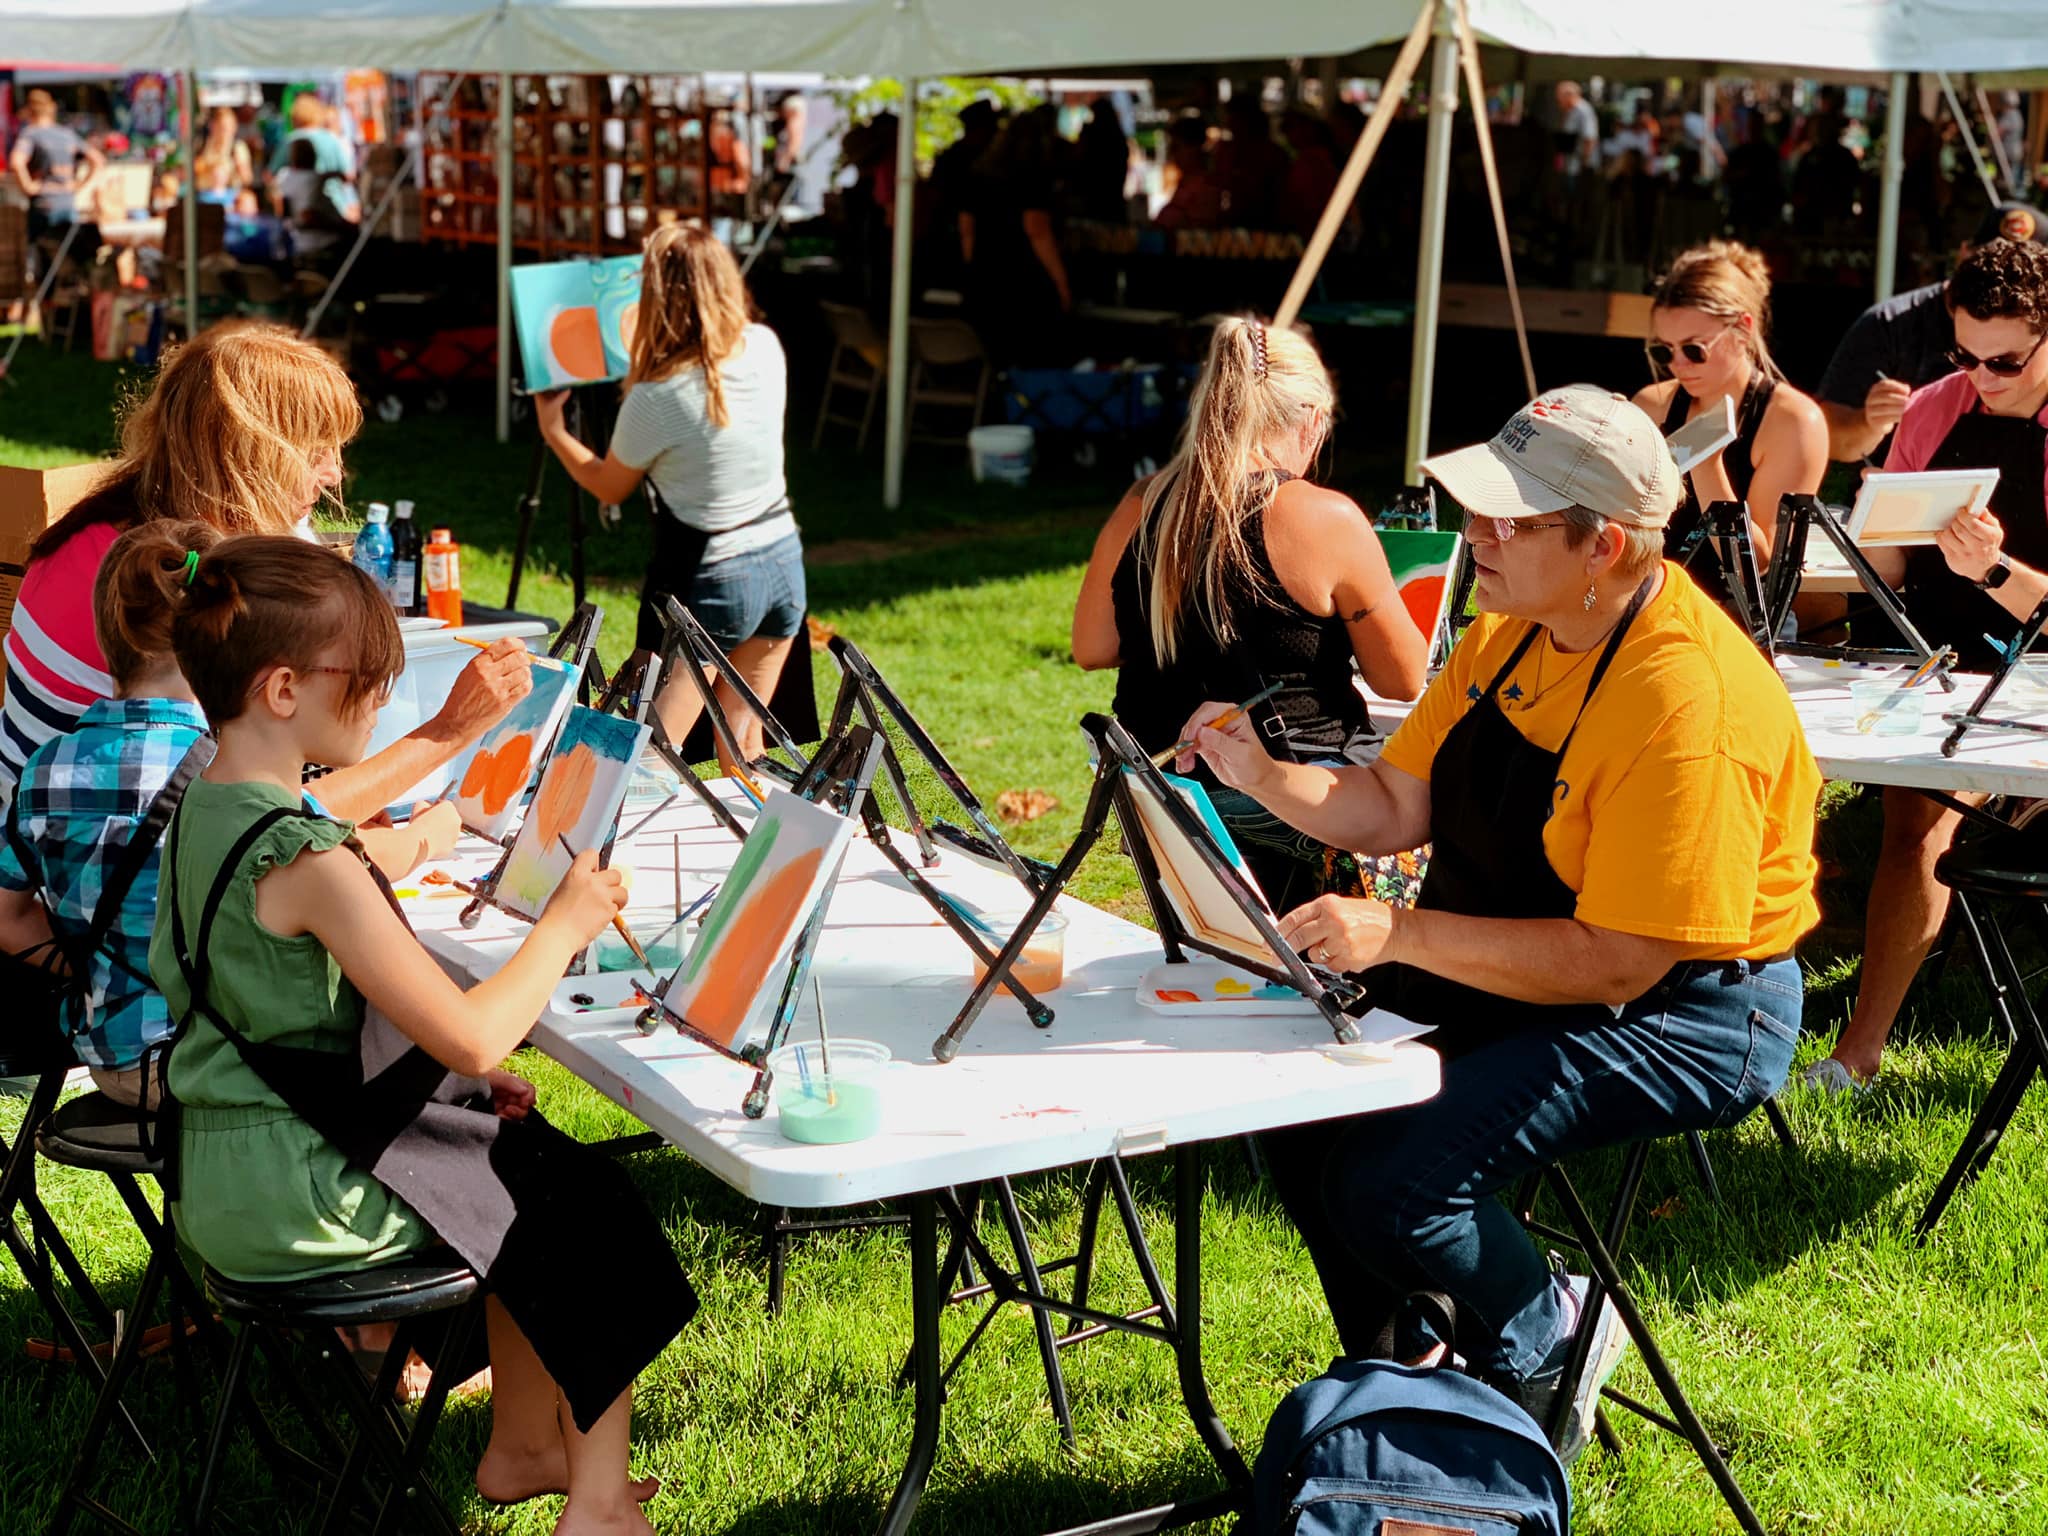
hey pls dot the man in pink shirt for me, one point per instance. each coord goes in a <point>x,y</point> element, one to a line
<point>1972,590</point>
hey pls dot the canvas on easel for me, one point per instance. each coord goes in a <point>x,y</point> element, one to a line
<point>575,320</point>
<point>1208,908</point>
<point>789,861</point>
<point>762,931</point>
<point>1424,563</point>
<point>575,809</point>
<point>490,783</point>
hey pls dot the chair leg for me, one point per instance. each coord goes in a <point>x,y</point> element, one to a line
<point>73,1495</point>
<point>1703,1165</point>
<point>405,1490</point>
<point>775,1239</point>
<point>231,1389</point>
<point>825,403</point>
<point>1775,1113</point>
<point>867,415</point>
<point>1987,1127</point>
<point>362,1408</point>
<point>1605,1271</point>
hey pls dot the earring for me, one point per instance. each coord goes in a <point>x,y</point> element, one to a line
<point>1592,595</point>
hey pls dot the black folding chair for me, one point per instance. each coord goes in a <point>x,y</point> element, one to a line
<point>412,1293</point>
<point>2007,866</point>
<point>33,1239</point>
<point>1599,1245</point>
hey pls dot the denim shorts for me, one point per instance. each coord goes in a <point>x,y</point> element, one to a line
<point>758,595</point>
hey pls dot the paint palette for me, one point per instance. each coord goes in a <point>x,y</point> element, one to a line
<point>1202,985</point>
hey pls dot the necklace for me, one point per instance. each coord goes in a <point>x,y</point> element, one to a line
<point>1538,687</point>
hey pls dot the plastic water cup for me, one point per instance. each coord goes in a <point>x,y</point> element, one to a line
<point>1900,717</point>
<point>827,1108</point>
<point>1042,967</point>
<point>663,943</point>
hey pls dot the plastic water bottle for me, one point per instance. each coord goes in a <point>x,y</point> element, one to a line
<point>406,595</point>
<point>373,546</point>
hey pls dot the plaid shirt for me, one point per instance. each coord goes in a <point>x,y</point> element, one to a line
<point>80,799</point>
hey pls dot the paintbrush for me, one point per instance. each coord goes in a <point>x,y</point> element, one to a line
<point>824,1045</point>
<point>533,656</point>
<point>1161,758</point>
<point>1867,721</point>
<point>618,919</point>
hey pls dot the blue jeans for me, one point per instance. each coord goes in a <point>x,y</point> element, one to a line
<point>756,595</point>
<point>1403,1201</point>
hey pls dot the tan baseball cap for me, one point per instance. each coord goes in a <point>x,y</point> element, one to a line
<point>1576,446</point>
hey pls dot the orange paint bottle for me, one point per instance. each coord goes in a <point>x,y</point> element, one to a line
<point>442,559</point>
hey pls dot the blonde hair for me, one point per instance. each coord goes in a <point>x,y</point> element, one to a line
<point>229,434</point>
<point>693,307</point>
<point>1727,280</point>
<point>308,111</point>
<point>1255,386</point>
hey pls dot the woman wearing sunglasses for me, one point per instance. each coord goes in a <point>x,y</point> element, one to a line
<point>1707,345</point>
<point>1970,590</point>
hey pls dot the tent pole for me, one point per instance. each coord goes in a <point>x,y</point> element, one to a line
<point>899,299</point>
<point>1429,266</point>
<point>1888,195</point>
<point>504,147</point>
<point>188,136</point>
<point>1955,109</point>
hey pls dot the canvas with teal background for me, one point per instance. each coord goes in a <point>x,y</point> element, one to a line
<point>575,320</point>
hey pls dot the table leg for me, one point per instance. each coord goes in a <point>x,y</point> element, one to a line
<point>925,1305</point>
<point>1187,1289</point>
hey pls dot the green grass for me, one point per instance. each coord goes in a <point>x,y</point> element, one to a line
<point>1861,1384</point>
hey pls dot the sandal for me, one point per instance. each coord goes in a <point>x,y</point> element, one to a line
<point>1829,1077</point>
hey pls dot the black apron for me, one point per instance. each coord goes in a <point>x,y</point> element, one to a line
<point>559,1234</point>
<point>677,557</point>
<point>1491,791</point>
<point>1949,609</point>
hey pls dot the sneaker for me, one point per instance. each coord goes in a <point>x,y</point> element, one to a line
<point>1610,1342</point>
<point>1828,1076</point>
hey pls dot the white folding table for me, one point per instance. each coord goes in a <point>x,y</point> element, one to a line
<point>1108,1079</point>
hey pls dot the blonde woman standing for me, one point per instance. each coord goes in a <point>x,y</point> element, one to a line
<point>223,166</point>
<point>701,427</point>
<point>1707,344</point>
<point>1229,571</point>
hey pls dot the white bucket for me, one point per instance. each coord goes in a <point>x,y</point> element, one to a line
<point>1002,454</point>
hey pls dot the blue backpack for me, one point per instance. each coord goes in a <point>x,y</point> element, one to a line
<point>1371,1448</point>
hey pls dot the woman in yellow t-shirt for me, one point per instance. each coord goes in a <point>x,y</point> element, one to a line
<point>1621,805</point>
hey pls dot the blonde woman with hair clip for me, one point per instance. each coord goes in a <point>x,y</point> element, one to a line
<point>701,428</point>
<point>1229,572</point>
<point>242,429</point>
<point>1707,344</point>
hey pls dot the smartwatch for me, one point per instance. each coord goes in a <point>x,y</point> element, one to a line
<point>1997,576</point>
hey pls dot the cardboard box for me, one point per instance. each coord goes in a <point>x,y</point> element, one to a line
<point>31,500</point>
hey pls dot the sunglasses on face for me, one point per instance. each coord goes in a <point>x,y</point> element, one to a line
<point>1695,352</point>
<point>2005,367</point>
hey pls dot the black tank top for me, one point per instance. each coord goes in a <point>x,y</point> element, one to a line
<point>1318,711</point>
<point>1736,459</point>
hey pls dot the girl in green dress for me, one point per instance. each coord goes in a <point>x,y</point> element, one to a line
<point>290,651</point>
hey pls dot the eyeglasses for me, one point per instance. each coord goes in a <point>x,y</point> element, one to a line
<point>1695,352</point>
<point>2005,367</point>
<point>383,695</point>
<point>1505,528</point>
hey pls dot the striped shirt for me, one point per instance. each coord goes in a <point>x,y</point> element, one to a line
<point>78,804</point>
<point>54,667</point>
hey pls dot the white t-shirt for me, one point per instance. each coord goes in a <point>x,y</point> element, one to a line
<point>719,479</point>
<point>1582,123</point>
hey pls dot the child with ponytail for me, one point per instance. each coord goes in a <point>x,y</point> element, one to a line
<point>83,798</point>
<point>336,1097</point>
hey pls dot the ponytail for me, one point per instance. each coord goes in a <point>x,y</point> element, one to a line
<point>1256,386</point>
<point>140,589</point>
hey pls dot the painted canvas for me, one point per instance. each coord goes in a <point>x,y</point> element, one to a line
<point>491,782</point>
<point>1422,563</point>
<point>1204,905</point>
<point>577,804</point>
<point>785,867</point>
<point>575,320</point>
<point>1198,801</point>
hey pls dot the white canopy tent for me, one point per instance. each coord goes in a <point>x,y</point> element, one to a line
<point>913,38</point>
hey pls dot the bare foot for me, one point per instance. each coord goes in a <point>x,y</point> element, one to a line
<point>626,1522</point>
<point>511,1477</point>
